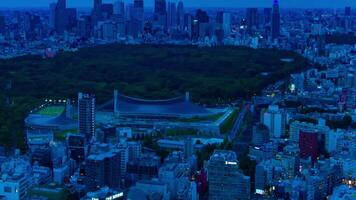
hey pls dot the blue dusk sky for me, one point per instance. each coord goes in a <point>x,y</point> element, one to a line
<point>195,3</point>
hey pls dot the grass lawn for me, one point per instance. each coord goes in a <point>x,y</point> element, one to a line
<point>51,110</point>
<point>202,119</point>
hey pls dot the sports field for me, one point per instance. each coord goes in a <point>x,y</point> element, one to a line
<point>51,110</point>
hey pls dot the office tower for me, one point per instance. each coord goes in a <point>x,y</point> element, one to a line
<point>97,11</point>
<point>276,20</point>
<point>260,134</point>
<point>52,15</point>
<point>31,25</point>
<point>102,168</point>
<point>309,145</point>
<point>226,25</point>
<point>2,24</point>
<point>86,112</point>
<point>137,21</point>
<point>160,7</point>
<point>71,18</point>
<point>348,11</point>
<point>172,14</point>
<point>84,27</point>
<point>252,19</point>
<point>188,24</point>
<point>119,8</point>
<point>180,14</point>
<point>348,19</point>
<point>138,9</point>
<point>267,15</point>
<point>108,31</point>
<point>107,11</point>
<point>225,179</point>
<point>60,16</point>
<point>77,147</point>
<point>263,176</point>
<point>160,13</point>
<point>220,17</point>
<point>275,119</point>
<point>135,150</point>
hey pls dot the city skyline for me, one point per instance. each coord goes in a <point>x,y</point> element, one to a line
<point>196,3</point>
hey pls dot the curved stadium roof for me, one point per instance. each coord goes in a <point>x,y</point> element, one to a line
<point>175,107</point>
<point>61,122</point>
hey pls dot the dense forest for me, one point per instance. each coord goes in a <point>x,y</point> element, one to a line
<point>211,75</point>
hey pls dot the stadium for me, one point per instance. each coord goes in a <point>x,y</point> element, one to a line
<point>125,111</point>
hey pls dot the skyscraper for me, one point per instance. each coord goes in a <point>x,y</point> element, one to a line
<point>276,20</point>
<point>267,15</point>
<point>97,11</point>
<point>52,15</point>
<point>138,10</point>
<point>160,7</point>
<point>172,14</point>
<point>252,18</point>
<point>348,11</point>
<point>60,16</point>
<point>2,24</point>
<point>119,8</point>
<point>225,179</point>
<point>86,111</point>
<point>180,14</point>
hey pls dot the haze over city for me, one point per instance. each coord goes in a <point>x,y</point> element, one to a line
<point>195,3</point>
<point>177,99</point>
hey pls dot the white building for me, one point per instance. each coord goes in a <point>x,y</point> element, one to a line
<point>15,179</point>
<point>275,119</point>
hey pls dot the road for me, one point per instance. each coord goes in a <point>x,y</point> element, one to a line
<point>239,120</point>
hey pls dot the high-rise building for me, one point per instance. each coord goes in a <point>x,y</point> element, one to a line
<point>119,8</point>
<point>84,27</point>
<point>102,168</point>
<point>267,15</point>
<point>348,11</point>
<point>276,20</point>
<point>52,15</point>
<point>275,119</point>
<point>180,14</point>
<point>71,18</point>
<point>2,24</point>
<point>225,179</point>
<point>86,112</point>
<point>107,10</point>
<point>252,18</point>
<point>309,145</point>
<point>348,18</point>
<point>138,10</point>
<point>77,147</point>
<point>172,14</point>
<point>60,16</point>
<point>97,11</point>
<point>160,7</point>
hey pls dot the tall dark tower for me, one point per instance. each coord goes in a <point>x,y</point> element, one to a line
<point>86,112</point>
<point>160,7</point>
<point>252,18</point>
<point>276,20</point>
<point>97,11</point>
<point>60,16</point>
<point>348,11</point>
